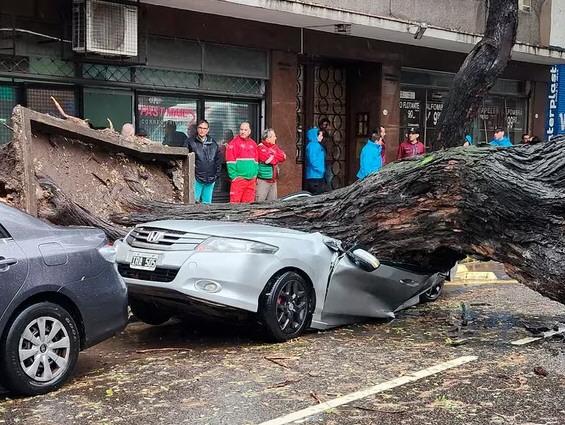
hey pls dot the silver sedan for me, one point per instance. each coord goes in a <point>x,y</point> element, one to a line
<point>290,280</point>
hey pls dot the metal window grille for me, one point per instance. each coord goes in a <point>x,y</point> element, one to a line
<point>7,103</point>
<point>224,84</point>
<point>39,99</point>
<point>300,131</point>
<point>106,73</point>
<point>167,78</point>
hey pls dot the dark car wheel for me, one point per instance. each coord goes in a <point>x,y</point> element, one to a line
<point>286,307</point>
<point>148,313</point>
<point>432,294</point>
<point>40,350</point>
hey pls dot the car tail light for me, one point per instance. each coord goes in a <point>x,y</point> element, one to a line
<point>108,252</point>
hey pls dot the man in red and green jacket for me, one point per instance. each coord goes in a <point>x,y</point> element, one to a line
<point>270,156</point>
<point>241,160</point>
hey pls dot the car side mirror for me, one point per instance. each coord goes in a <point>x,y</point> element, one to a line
<point>364,260</point>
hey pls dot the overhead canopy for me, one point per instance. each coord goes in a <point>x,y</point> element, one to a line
<point>323,18</point>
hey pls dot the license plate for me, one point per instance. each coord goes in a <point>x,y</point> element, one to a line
<point>143,261</point>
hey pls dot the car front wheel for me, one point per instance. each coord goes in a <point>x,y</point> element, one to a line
<point>148,313</point>
<point>40,350</point>
<point>286,307</point>
<point>432,294</point>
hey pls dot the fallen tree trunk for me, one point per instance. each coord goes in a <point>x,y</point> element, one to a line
<point>504,205</point>
<point>484,64</point>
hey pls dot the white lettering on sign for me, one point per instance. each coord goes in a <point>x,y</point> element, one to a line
<point>552,97</point>
<point>410,105</point>
<point>407,95</point>
<point>562,121</point>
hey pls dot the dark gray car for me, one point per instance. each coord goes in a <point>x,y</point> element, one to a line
<point>59,294</point>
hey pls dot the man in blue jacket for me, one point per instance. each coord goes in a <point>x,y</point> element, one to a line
<point>371,156</point>
<point>315,162</point>
<point>500,140</point>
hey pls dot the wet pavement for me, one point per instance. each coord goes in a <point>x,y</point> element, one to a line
<point>218,374</point>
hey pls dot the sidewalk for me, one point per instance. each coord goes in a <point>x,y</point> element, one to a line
<point>482,271</point>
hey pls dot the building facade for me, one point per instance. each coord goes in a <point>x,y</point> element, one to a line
<point>276,63</point>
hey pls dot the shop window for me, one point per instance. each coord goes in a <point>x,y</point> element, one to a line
<point>101,105</point>
<point>39,99</point>
<point>225,118</point>
<point>155,111</point>
<point>507,113</point>
<point>421,108</point>
<point>412,101</point>
<point>7,103</point>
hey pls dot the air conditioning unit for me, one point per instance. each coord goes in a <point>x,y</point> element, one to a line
<point>104,28</point>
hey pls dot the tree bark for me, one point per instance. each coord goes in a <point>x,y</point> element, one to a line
<point>484,64</point>
<point>58,208</point>
<point>504,205</point>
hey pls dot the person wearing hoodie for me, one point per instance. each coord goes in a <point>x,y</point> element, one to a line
<point>500,140</point>
<point>371,156</point>
<point>270,156</point>
<point>315,162</point>
<point>242,162</point>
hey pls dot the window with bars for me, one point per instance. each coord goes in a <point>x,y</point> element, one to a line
<point>39,99</point>
<point>224,118</point>
<point>7,103</point>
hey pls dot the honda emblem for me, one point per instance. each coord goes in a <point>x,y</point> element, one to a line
<point>155,237</point>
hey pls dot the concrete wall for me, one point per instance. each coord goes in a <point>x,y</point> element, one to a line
<point>459,15</point>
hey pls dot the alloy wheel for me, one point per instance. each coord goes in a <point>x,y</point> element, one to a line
<point>292,306</point>
<point>44,349</point>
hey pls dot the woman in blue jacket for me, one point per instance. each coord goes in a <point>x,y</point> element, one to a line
<point>314,173</point>
<point>371,157</point>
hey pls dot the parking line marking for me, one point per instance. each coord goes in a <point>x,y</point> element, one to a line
<point>415,376</point>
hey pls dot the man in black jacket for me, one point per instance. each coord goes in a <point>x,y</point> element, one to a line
<point>208,162</point>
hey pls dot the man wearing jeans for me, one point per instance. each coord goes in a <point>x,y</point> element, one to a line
<point>242,158</point>
<point>208,162</point>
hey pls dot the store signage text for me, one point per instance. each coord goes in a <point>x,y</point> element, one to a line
<point>555,124</point>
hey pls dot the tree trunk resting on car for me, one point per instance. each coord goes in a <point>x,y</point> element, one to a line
<point>507,205</point>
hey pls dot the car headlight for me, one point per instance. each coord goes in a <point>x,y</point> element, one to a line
<point>215,244</point>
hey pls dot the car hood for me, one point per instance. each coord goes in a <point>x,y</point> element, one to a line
<point>224,228</point>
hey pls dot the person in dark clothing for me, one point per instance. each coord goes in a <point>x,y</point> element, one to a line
<point>208,162</point>
<point>172,136</point>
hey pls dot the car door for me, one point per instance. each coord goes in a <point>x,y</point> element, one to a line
<point>355,292</point>
<point>13,269</point>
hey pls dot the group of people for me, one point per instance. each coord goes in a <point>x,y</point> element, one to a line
<point>252,168</point>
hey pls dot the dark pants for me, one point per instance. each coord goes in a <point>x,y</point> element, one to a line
<point>315,186</point>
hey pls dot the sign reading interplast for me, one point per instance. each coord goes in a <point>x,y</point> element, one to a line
<point>555,124</point>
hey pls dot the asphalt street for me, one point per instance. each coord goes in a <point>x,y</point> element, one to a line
<point>198,373</point>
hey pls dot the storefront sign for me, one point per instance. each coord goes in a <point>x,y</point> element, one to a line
<point>555,124</point>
